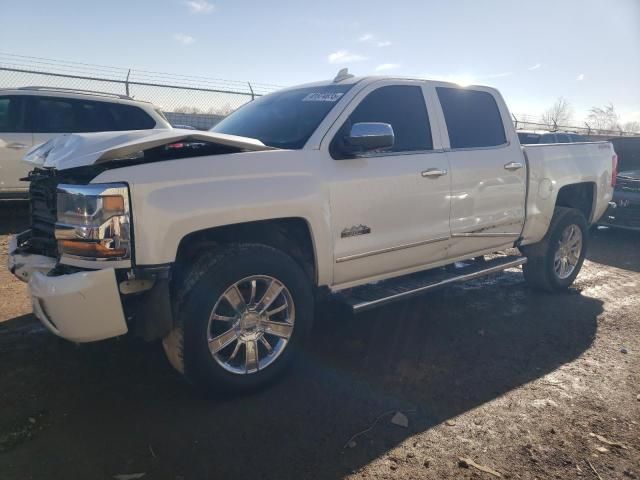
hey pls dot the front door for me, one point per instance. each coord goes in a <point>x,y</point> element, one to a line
<point>390,209</point>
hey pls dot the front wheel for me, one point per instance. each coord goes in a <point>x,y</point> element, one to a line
<point>242,313</point>
<point>554,263</point>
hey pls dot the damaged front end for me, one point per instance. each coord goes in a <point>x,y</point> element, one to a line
<point>81,288</point>
<point>78,256</point>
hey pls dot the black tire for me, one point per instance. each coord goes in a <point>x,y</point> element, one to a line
<point>539,271</point>
<point>187,346</point>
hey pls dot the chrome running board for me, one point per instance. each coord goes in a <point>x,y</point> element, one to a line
<point>369,296</point>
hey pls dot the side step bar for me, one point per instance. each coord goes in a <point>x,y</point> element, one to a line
<point>373,295</point>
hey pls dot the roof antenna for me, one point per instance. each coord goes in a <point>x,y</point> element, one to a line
<point>343,74</point>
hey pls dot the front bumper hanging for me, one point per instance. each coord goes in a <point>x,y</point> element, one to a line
<point>81,307</point>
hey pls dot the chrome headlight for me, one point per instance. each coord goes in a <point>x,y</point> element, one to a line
<point>94,222</point>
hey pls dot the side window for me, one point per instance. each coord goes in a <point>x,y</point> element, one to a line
<point>54,115</point>
<point>562,138</point>
<point>473,118</point>
<point>577,138</point>
<point>128,117</point>
<point>401,106</point>
<point>12,115</point>
<point>548,138</point>
<point>94,117</point>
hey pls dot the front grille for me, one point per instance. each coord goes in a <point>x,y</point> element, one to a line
<point>42,194</point>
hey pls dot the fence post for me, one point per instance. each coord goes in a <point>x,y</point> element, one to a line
<point>515,120</point>
<point>253,97</point>
<point>126,83</point>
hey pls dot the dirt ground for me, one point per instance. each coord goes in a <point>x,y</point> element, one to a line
<point>513,380</point>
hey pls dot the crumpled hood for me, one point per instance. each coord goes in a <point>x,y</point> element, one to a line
<point>80,149</point>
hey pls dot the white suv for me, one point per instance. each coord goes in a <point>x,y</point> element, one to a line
<point>33,115</point>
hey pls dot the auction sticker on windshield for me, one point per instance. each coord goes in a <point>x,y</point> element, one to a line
<point>322,97</point>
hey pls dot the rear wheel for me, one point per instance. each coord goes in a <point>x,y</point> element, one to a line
<point>242,314</point>
<point>554,263</point>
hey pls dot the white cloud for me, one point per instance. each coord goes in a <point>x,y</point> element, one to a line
<point>200,6</point>
<point>183,39</point>
<point>387,66</point>
<point>344,56</point>
<point>580,77</point>
<point>370,38</point>
<point>535,67</point>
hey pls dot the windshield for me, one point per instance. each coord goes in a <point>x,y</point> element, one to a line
<point>283,119</point>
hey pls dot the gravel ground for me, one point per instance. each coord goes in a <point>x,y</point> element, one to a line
<point>490,371</point>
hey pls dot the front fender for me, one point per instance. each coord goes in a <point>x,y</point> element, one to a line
<point>172,199</point>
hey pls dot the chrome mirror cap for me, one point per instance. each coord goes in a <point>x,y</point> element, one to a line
<point>369,136</point>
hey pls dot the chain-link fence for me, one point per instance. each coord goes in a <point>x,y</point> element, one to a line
<point>188,100</point>
<point>529,122</point>
<point>185,99</point>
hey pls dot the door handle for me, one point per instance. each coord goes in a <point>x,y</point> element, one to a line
<point>433,172</point>
<point>17,146</point>
<point>513,166</point>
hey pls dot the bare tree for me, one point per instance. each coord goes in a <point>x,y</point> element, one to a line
<point>187,109</point>
<point>560,113</point>
<point>632,127</point>
<point>604,118</point>
<point>223,111</point>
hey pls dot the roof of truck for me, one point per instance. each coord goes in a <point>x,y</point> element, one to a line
<point>344,78</point>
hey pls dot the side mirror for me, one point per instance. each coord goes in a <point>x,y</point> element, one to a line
<point>368,136</point>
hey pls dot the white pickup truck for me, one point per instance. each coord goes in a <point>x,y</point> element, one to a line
<point>374,189</point>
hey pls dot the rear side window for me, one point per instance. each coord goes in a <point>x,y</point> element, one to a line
<point>12,115</point>
<point>128,117</point>
<point>54,115</point>
<point>95,117</point>
<point>472,117</point>
<point>402,107</point>
<point>62,115</point>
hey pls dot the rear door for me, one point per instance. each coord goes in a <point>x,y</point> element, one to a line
<point>488,171</point>
<point>52,116</point>
<point>15,140</point>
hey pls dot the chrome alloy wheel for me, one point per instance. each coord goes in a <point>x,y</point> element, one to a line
<point>568,252</point>
<point>251,324</point>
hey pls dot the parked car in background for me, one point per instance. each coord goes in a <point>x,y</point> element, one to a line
<point>626,196</point>
<point>374,189</point>
<point>33,115</point>
<point>532,137</point>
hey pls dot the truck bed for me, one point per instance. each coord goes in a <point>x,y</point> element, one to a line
<point>590,164</point>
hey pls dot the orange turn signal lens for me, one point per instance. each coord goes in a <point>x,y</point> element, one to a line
<point>89,249</point>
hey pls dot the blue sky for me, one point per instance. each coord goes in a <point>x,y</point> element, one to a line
<point>584,50</point>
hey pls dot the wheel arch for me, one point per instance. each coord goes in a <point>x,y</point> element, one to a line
<point>581,196</point>
<point>293,235</point>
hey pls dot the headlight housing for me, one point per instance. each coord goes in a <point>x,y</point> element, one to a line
<point>93,222</point>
